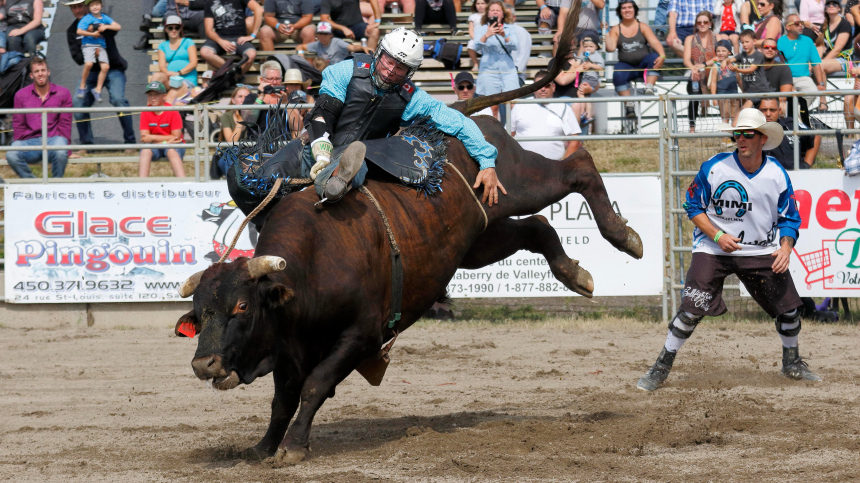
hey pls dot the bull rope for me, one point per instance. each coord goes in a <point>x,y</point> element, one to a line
<point>259,208</point>
<point>472,192</point>
<point>396,266</point>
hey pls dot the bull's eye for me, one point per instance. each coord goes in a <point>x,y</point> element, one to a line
<point>240,307</point>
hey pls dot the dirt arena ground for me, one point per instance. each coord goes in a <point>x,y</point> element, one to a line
<point>470,402</point>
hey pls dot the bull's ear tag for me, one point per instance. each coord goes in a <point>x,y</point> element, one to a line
<point>187,329</point>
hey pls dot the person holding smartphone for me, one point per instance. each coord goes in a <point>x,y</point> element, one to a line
<point>495,40</point>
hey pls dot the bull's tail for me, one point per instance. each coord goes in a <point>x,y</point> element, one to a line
<point>473,105</point>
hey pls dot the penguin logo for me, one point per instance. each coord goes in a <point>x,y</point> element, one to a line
<point>228,218</point>
<point>743,205</point>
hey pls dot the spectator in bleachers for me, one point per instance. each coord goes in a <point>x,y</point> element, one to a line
<point>556,119</point>
<point>115,82</point>
<point>811,14</point>
<point>661,18</point>
<point>3,27</point>
<point>699,48</point>
<point>296,93</point>
<point>435,11</point>
<point>231,128</point>
<point>347,22</point>
<point>287,19</point>
<point>835,47</point>
<point>478,9</point>
<point>524,46</point>
<point>24,28</point>
<point>588,63</point>
<point>547,17</point>
<point>778,74</point>
<point>749,64</point>
<point>94,47</point>
<point>329,48</point>
<point>495,40</point>
<point>27,128</point>
<point>770,25</point>
<point>801,56</point>
<point>160,127</point>
<point>749,14</point>
<point>177,55</point>
<point>683,17</point>
<point>465,89</point>
<point>191,13</point>
<point>589,19</point>
<point>727,19</point>
<point>226,29</point>
<point>784,153</point>
<point>405,6</point>
<point>271,74</point>
<point>638,50</point>
<point>722,80</point>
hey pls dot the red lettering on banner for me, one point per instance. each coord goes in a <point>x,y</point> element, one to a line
<point>804,207</point>
<point>82,223</point>
<point>126,230</point>
<point>61,229</point>
<point>824,206</point>
<point>102,226</point>
<point>159,225</point>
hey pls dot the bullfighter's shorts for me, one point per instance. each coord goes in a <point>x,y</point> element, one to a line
<point>703,290</point>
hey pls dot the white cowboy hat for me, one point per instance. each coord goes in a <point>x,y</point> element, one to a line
<point>294,76</point>
<point>750,118</point>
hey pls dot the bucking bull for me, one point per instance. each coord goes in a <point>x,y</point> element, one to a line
<point>314,304</point>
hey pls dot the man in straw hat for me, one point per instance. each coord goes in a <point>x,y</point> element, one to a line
<point>738,201</point>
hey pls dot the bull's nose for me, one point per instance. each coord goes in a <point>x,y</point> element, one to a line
<point>207,367</point>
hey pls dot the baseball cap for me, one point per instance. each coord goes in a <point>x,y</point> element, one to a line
<point>157,87</point>
<point>837,2</point>
<point>726,44</point>
<point>87,2</point>
<point>590,35</point>
<point>464,77</point>
<point>173,20</point>
<point>207,74</point>
<point>324,28</point>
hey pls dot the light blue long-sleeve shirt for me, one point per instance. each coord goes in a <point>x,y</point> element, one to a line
<point>336,79</point>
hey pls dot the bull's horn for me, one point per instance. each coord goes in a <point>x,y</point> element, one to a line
<point>190,285</point>
<point>265,265</point>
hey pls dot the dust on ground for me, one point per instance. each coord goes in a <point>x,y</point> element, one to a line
<point>464,401</point>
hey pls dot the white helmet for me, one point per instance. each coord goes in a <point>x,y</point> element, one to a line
<point>404,47</point>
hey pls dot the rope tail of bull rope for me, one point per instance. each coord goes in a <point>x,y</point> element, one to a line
<point>272,192</point>
<point>396,266</point>
<point>472,192</point>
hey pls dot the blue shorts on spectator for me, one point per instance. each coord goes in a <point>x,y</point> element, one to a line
<point>162,153</point>
<point>625,73</point>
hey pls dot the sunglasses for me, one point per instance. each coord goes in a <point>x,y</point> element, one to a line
<point>465,87</point>
<point>747,134</point>
<point>762,4</point>
<point>172,27</point>
<point>768,47</point>
<point>704,22</point>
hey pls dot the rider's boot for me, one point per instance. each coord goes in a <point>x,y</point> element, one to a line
<point>658,373</point>
<point>350,162</point>
<point>794,367</point>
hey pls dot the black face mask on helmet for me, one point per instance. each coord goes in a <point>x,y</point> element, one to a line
<point>384,77</point>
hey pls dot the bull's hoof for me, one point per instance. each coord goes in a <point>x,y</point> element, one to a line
<point>289,457</point>
<point>574,277</point>
<point>633,244</point>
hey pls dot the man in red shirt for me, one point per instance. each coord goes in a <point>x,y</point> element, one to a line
<point>160,127</point>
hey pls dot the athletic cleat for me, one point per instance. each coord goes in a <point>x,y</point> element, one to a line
<point>350,162</point>
<point>793,367</point>
<point>658,373</point>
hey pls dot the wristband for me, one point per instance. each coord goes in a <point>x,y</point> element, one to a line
<point>163,142</point>
<point>278,25</point>
<point>542,7</point>
<point>253,36</point>
<point>663,57</point>
<point>718,235</point>
<point>378,20</point>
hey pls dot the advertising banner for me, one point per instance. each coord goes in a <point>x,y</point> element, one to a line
<point>526,274</point>
<point>114,242</point>
<point>826,260</point>
<point>136,242</point>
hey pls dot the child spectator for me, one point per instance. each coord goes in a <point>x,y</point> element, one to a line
<point>331,49</point>
<point>723,80</point>
<point>160,127</point>
<point>94,46</point>
<point>727,16</point>
<point>751,68</point>
<point>588,63</point>
<point>478,9</point>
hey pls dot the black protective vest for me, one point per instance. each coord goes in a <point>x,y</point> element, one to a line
<point>365,114</point>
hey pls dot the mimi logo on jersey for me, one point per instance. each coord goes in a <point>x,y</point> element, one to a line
<point>743,205</point>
